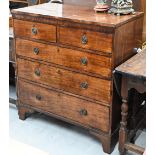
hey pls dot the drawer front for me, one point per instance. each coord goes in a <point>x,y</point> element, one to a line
<point>82,61</point>
<point>86,39</point>
<point>81,111</point>
<point>75,83</point>
<point>35,30</point>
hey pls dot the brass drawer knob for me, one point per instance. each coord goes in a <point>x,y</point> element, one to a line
<point>84,61</point>
<point>84,85</point>
<point>34,30</point>
<point>83,112</point>
<point>37,72</point>
<point>36,51</point>
<point>38,97</point>
<point>84,39</point>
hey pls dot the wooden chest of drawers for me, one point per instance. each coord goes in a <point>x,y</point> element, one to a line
<point>65,60</point>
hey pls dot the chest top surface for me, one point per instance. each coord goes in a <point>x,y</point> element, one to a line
<point>80,14</point>
<point>135,66</point>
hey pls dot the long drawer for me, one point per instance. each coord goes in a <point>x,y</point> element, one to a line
<point>35,30</point>
<point>86,39</point>
<point>82,111</point>
<point>81,61</point>
<point>76,83</point>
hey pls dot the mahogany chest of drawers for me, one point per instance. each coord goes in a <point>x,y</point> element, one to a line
<point>65,56</point>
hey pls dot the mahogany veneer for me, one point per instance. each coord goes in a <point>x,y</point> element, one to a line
<point>98,89</point>
<point>35,30</point>
<point>95,64</point>
<point>65,56</point>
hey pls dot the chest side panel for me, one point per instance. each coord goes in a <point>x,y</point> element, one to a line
<point>127,37</point>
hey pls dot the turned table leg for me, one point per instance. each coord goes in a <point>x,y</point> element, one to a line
<point>123,127</point>
<point>124,114</point>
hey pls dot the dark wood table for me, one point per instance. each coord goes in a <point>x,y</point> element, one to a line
<point>133,75</point>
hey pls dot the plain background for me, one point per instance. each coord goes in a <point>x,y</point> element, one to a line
<point>4,77</point>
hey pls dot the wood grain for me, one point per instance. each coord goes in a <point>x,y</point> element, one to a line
<point>80,14</point>
<point>133,73</point>
<point>127,37</point>
<point>70,58</point>
<point>98,89</point>
<point>96,41</point>
<point>135,66</point>
<point>65,106</point>
<point>109,41</point>
<point>135,148</point>
<point>45,32</point>
<point>140,5</point>
<point>10,20</point>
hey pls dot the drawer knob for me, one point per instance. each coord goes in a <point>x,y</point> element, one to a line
<point>84,39</point>
<point>135,50</point>
<point>83,112</point>
<point>84,61</point>
<point>34,30</point>
<point>58,71</point>
<point>37,72</point>
<point>36,51</point>
<point>84,85</point>
<point>38,97</point>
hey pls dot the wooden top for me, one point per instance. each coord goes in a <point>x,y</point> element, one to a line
<point>135,66</point>
<point>80,14</point>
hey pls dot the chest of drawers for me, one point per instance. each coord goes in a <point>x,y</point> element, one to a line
<point>65,56</point>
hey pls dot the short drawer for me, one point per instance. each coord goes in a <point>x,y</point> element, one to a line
<point>86,39</point>
<point>81,61</point>
<point>27,29</point>
<point>84,112</point>
<point>76,83</point>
